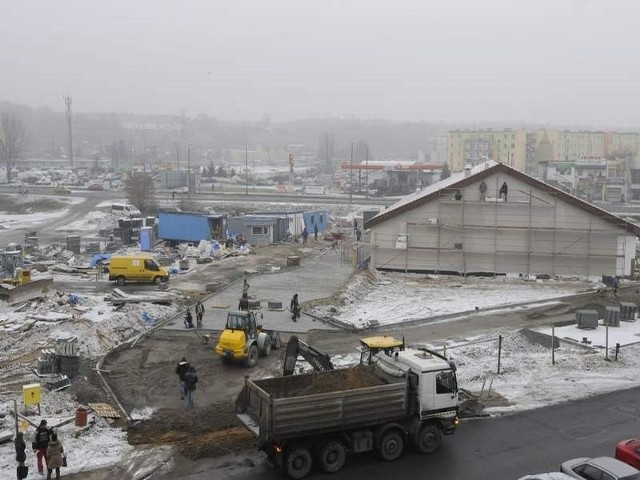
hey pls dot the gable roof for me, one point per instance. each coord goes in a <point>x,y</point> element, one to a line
<point>460,181</point>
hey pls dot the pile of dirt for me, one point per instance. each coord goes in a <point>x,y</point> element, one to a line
<point>196,432</point>
<point>315,383</point>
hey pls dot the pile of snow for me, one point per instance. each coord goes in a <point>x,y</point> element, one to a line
<point>405,297</point>
<point>92,221</point>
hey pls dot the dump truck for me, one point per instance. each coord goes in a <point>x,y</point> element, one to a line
<point>408,397</point>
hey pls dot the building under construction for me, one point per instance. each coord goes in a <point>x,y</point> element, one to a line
<point>496,220</point>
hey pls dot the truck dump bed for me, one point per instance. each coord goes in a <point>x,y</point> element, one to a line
<point>313,403</point>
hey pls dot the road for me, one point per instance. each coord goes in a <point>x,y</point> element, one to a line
<point>490,449</point>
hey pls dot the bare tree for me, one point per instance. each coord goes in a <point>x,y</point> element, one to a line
<point>326,150</point>
<point>141,191</point>
<point>13,140</point>
<point>118,153</point>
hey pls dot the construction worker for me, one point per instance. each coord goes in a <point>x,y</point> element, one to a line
<point>188,319</point>
<point>295,308</point>
<point>190,380</point>
<point>181,370</point>
<point>245,288</point>
<point>43,434</point>
<point>199,313</point>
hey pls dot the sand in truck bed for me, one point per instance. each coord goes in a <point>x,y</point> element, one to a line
<point>325,382</point>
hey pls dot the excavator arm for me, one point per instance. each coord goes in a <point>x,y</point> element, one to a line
<point>296,347</point>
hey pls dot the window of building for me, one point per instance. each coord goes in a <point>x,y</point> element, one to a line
<point>321,219</point>
<point>313,219</point>
<point>259,230</point>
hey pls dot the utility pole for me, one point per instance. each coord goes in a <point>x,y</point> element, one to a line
<point>246,170</point>
<point>67,102</point>
<point>366,186</point>
<point>351,176</point>
<point>189,170</point>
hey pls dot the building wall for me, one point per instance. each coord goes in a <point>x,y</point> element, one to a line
<point>532,233</point>
<point>517,148</point>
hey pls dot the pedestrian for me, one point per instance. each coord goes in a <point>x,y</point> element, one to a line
<point>504,189</point>
<point>355,225</point>
<point>315,232</point>
<point>41,443</point>
<point>181,370</point>
<point>245,288</point>
<point>616,285</point>
<point>21,456</point>
<point>188,319</point>
<point>212,186</point>
<point>358,235</point>
<point>173,195</point>
<point>295,308</point>
<point>305,235</point>
<point>190,380</point>
<point>199,313</point>
<point>483,191</point>
<point>55,456</point>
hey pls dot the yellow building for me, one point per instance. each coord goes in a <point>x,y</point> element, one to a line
<point>525,149</point>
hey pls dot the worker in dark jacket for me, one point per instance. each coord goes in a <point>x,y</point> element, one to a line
<point>295,308</point>
<point>190,380</point>
<point>43,434</point>
<point>181,370</point>
<point>199,313</point>
<point>504,189</point>
<point>188,319</point>
<point>21,454</point>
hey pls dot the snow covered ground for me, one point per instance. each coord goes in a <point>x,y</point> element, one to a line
<point>35,219</point>
<point>399,297</point>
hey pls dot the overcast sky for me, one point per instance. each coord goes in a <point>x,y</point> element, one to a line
<point>545,61</point>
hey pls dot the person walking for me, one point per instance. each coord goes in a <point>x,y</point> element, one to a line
<point>295,308</point>
<point>315,232</point>
<point>41,443</point>
<point>504,189</point>
<point>55,456</point>
<point>190,380</point>
<point>355,225</point>
<point>199,313</point>
<point>21,456</point>
<point>188,319</point>
<point>358,235</point>
<point>245,288</point>
<point>181,371</point>
<point>305,235</point>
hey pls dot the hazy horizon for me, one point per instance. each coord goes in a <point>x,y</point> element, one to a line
<point>460,61</point>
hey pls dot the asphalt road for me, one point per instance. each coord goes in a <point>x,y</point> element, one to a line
<point>491,449</point>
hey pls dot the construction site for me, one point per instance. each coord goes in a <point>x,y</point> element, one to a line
<point>98,360</point>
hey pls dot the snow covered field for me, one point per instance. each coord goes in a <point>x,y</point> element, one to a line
<point>399,297</point>
<point>36,219</point>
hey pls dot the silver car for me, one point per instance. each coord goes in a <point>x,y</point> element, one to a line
<point>600,468</point>
<point>547,476</point>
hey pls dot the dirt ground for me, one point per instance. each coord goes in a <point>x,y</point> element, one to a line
<point>144,376</point>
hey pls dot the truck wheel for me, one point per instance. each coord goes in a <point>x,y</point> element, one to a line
<point>276,343</point>
<point>266,349</point>
<point>332,456</point>
<point>252,356</point>
<point>120,280</point>
<point>298,463</point>
<point>428,438</point>
<point>157,279</point>
<point>391,445</point>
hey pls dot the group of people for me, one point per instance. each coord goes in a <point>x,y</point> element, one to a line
<point>47,448</point>
<point>188,380</point>
<point>188,317</point>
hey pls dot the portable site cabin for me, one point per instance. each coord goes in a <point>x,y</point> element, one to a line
<point>258,231</point>
<point>316,217</point>
<point>465,225</point>
<point>292,221</point>
<point>191,226</point>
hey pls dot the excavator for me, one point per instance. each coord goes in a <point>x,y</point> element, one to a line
<point>321,362</point>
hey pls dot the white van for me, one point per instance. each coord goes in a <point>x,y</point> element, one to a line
<point>125,209</point>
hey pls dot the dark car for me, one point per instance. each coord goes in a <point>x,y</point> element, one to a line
<point>629,452</point>
<point>96,187</point>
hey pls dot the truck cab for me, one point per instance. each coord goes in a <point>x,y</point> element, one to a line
<point>433,383</point>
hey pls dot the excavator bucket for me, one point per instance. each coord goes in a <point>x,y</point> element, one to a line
<point>14,294</point>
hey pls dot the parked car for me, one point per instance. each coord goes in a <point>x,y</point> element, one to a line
<point>599,468</point>
<point>60,190</point>
<point>96,186</point>
<point>547,476</point>
<point>628,451</point>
